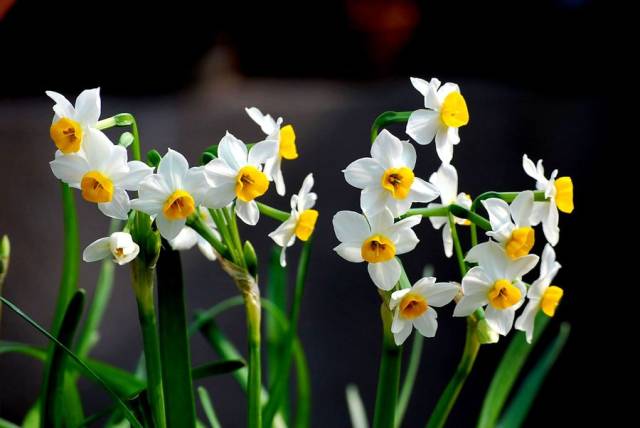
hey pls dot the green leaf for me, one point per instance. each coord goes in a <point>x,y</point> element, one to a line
<point>174,341</point>
<point>209,154</point>
<point>357,412</point>
<point>205,401</point>
<point>517,411</point>
<point>153,158</point>
<point>507,372</point>
<point>217,368</point>
<point>125,410</point>
<point>409,378</point>
<point>126,139</point>
<point>53,397</point>
<point>6,424</point>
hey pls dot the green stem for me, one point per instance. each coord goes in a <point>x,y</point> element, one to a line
<point>427,212</point>
<point>389,374</point>
<point>458,248</point>
<point>143,287</point>
<point>387,118</point>
<point>252,308</point>
<point>274,213</point>
<point>409,378</point>
<point>234,238</point>
<point>197,224</point>
<point>450,394</point>
<point>124,119</point>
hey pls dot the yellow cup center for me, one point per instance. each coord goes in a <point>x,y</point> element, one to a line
<point>96,187</point>
<point>67,135</point>
<point>306,224</point>
<point>288,148</point>
<point>504,294</point>
<point>412,306</point>
<point>564,194</point>
<point>550,300</point>
<point>250,183</point>
<point>398,181</point>
<point>378,248</point>
<point>454,111</point>
<point>520,242</point>
<point>179,205</point>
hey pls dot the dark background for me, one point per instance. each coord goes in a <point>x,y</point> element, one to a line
<point>535,75</point>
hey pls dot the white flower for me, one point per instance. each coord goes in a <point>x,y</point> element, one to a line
<point>302,221</point>
<point>413,307</point>
<point>387,179</point>
<point>559,194</point>
<point>511,224</point>
<point>542,295</point>
<point>446,181</point>
<point>172,194</point>
<point>102,172</point>
<point>496,281</point>
<point>188,238</point>
<point>280,143</point>
<point>446,111</point>
<point>237,175</point>
<point>70,123</point>
<point>376,241</point>
<point>120,245</point>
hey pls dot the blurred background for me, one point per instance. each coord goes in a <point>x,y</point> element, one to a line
<point>534,74</point>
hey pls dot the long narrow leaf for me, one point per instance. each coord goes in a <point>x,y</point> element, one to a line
<point>205,401</point>
<point>53,399</point>
<point>507,372</point>
<point>303,411</point>
<point>174,342</point>
<point>123,407</point>
<point>357,413</point>
<point>409,378</point>
<point>517,411</point>
<point>6,424</point>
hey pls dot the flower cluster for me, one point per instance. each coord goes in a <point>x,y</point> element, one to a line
<point>384,230</point>
<point>173,194</point>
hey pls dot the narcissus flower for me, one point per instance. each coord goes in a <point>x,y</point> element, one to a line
<point>377,241</point>
<point>387,179</point>
<point>188,238</point>
<point>446,181</point>
<point>446,111</point>
<point>414,307</point>
<point>172,194</point>
<point>70,123</point>
<point>559,193</point>
<point>102,173</point>
<point>280,143</point>
<point>495,282</point>
<point>302,221</point>
<point>237,175</point>
<point>542,295</point>
<point>120,245</point>
<point>511,224</point>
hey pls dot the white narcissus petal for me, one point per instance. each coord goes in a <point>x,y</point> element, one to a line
<point>220,195</point>
<point>373,200</point>
<point>446,181</point>
<point>364,172</point>
<point>88,106</point>
<point>383,223</point>
<point>406,241</point>
<point>421,85</point>
<point>453,135</point>
<point>248,212</point>
<point>131,180</point>
<point>97,148</point>
<point>522,207</point>
<point>446,89</point>
<point>500,320</point>
<point>550,224</point>
<point>351,226</point>
<point>266,122</point>
<point>400,337</point>
<point>232,151</point>
<point>173,167</point>
<point>186,239</point>
<point>278,179</point>
<point>538,213</point>
<point>468,304</point>
<point>262,151</point>
<point>69,169</point>
<point>398,324</point>
<point>154,188</point>
<point>421,191</point>
<point>118,207</point>
<point>491,257</point>
<point>521,266</point>
<point>97,250</point>
<point>548,260</point>
<point>386,149</point>
<point>476,282</point>
<point>499,213</point>
<point>305,199</point>
<point>405,223</point>
<point>283,234</point>
<point>440,293</point>
<point>444,146</point>
<point>148,206</point>
<point>530,168</point>
<point>408,156</point>
<point>447,239</point>
<point>427,323</point>
<point>385,275</point>
<point>526,320</point>
<point>219,172</point>
<point>169,229</point>
<point>423,125</point>
<point>350,252</point>
<point>397,296</point>
<point>207,250</point>
<point>196,184</point>
<point>62,108</point>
